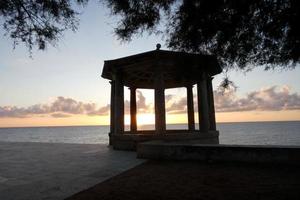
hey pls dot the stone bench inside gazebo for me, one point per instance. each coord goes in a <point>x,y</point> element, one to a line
<point>160,70</point>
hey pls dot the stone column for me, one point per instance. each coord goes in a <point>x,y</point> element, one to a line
<point>159,101</point>
<point>212,117</point>
<point>190,107</point>
<point>133,124</point>
<point>203,104</point>
<point>112,107</point>
<point>119,104</point>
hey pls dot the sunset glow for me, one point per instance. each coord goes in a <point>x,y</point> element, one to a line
<point>149,118</point>
<point>142,119</point>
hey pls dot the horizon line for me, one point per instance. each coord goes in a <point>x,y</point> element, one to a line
<point>57,126</point>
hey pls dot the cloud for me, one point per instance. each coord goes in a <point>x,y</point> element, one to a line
<point>61,107</point>
<point>177,106</point>
<point>141,104</point>
<point>274,98</point>
<point>60,115</point>
<point>141,101</point>
<point>12,111</point>
<point>101,111</point>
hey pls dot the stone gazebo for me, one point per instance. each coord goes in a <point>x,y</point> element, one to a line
<point>160,70</point>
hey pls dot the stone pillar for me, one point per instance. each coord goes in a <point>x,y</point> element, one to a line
<point>190,107</point>
<point>119,104</point>
<point>112,107</point>
<point>212,117</point>
<point>203,104</point>
<point>159,103</point>
<point>133,124</point>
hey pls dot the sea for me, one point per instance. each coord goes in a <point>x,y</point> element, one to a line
<point>248,133</point>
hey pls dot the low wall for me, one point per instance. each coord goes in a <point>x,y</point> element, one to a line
<point>129,141</point>
<point>217,153</point>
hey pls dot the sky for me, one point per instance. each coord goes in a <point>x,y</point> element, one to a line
<point>62,85</point>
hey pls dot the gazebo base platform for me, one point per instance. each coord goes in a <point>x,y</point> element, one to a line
<point>129,140</point>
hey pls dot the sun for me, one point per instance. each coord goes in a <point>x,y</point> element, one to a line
<point>142,119</point>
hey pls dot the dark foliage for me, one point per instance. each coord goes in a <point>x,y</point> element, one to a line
<point>37,22</point>
<point>241,33</point>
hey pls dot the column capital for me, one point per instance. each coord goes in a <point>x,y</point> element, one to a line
<point>205,76</point>
<point>132,88</point>
<point>117,75</point>
<point>189,85</point>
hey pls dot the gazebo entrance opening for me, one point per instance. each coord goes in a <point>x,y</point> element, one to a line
<point>160,70</point>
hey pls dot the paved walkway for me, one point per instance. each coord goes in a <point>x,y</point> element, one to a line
<point>56,171</point>
<point>180,180</point>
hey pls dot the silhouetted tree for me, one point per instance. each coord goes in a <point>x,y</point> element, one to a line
<point>241,33</point>
<point>38,22</point>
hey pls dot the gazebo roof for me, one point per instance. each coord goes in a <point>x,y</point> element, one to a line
<point>179,68</point>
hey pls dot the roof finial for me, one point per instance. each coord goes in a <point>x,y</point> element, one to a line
<point>158,46</point>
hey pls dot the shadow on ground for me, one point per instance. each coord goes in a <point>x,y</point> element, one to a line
<point>195,180</point>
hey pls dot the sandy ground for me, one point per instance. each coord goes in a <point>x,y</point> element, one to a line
<point>195,180</point>
<point>55,171</point>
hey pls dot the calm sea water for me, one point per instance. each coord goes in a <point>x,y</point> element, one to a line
<point>257,133</point>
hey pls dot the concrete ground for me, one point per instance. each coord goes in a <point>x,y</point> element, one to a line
<point>56,171</point>
<point>180,180</point>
